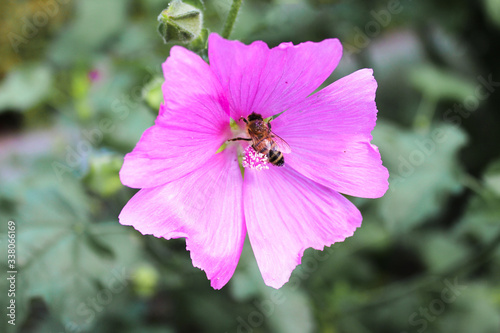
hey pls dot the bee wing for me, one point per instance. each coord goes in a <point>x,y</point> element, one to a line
<point>282,145</point>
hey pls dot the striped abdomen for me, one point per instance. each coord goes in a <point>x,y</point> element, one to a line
<point>269,148</point>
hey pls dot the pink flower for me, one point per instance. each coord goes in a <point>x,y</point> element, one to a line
<point>94,75</point>
<point>188,190</point>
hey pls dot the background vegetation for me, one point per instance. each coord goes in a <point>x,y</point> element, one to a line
<point>79,85</point>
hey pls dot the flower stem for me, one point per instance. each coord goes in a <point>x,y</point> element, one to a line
<point>425,113</point>
<point>231,18</point>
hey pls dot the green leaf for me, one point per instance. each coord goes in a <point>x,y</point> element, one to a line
<point>143,329</point>
<point>491,177</point>
<point>439,84</point>
<point>21,306</point>
<point>285,310</point>
<point>25,87</point>
<point>423,170</point>
<point>75,266</point>
<point>133,120</point>
<point>95,24</point>
<point>481,219</point>
<point>136,39</point>
<point>291,310</point>
<point>246,281</point>
<point>441,252</point>
<point>473,310</point>
<point>492,9</point>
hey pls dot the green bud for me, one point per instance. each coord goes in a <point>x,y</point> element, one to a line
<point>180,22</point>
<point>102,177</point>
<point>153,94</point>
<point>201,42</point>
<point>145,280</point>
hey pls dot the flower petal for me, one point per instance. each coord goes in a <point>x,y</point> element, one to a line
<point>286,213</point>
<point>205,207</point>
<point>330,134</point>
<point>191,126</point>
<point>189,80</point>
<point>269,81</point>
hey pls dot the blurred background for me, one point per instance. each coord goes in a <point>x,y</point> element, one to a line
<point>79,83</point>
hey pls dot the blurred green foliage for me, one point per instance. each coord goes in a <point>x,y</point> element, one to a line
<point>81,81</point>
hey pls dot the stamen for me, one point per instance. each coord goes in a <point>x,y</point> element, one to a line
<point>254,160</point>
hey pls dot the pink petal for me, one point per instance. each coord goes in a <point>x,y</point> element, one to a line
<point>191,126</point>
<point>205,207</point>
<point>269,81</point>
<point>189,80</point>
<point>286,213</point>
<point>330,134</point>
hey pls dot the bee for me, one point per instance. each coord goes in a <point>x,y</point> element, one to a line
<point>264,141</point>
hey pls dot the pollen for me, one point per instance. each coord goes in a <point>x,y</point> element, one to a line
<point>254,160</point>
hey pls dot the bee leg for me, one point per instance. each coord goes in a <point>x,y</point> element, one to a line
<point>240,139</point>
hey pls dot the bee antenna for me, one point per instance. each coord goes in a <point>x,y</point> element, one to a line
<point>244,119</point>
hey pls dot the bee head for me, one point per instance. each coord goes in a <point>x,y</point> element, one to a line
<point>254,116</point>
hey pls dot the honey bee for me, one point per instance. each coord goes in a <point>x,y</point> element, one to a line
<point>264,141</point>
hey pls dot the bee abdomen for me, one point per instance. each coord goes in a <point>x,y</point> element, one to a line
<point>276,158</point>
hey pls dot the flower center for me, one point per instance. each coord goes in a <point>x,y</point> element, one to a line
<point>248,157</point>
<point>254,160</point>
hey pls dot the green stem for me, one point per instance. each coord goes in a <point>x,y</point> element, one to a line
<point>479,189</point>
<point>231,18</point>
<point>473,184</point>
<point>425,113</point>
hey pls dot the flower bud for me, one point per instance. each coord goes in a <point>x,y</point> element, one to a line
<point>180,22</point>
<point>102,177</point>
